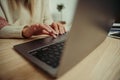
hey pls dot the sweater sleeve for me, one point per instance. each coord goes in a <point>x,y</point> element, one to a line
<point>47,18</point>
<point>10,31</point>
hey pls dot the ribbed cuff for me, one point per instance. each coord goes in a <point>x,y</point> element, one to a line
<point>12,31</point>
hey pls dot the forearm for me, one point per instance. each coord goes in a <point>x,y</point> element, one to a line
<point>11,31</point>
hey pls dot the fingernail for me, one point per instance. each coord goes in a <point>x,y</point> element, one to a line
<point>55,32</point>
<point>54,36</point>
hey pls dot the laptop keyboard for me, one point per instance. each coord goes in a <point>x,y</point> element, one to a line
<point>49,54</point>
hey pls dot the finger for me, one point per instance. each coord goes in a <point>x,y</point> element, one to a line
<point>52,30</point>
<point>61,29</point>
<point>55,27</point>
<point>44,27</point>
<point>54,36</point>
<point>64,30</point>
<point>49,29</point>
<point>39,29</point>
<point>45,32</point>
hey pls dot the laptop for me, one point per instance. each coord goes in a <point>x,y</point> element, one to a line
<point>90,27</point>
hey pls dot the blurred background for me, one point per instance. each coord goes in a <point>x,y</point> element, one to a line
<point>63,11</point>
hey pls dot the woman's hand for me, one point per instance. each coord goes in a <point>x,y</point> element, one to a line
<point>38,29</point>
<point>58,27</point>
<point>54,29</point>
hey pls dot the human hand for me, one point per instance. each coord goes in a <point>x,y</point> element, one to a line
<point>38,29</point>
<point>58,27</point>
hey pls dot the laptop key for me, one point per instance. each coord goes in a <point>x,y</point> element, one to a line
<point>50,54</point>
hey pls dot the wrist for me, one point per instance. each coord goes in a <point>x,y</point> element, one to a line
<point>25,32</point>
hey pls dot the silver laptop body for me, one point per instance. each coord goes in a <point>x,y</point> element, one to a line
<point>90,27</point>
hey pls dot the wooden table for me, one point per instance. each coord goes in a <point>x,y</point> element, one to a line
<point>102,64</point>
